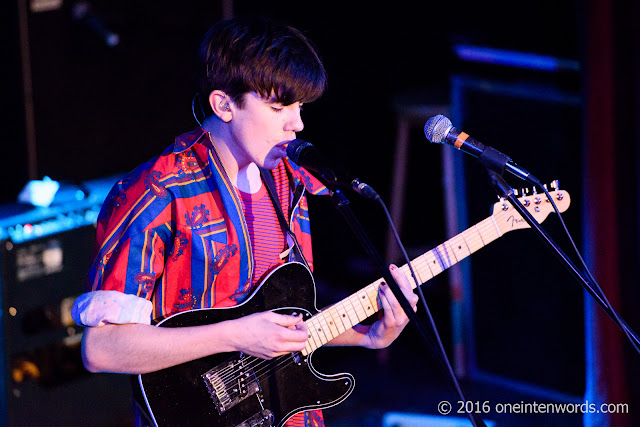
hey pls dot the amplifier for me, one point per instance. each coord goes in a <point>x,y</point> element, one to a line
<point>45,254</point>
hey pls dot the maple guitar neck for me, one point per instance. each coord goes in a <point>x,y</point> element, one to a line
<point>333,321</point>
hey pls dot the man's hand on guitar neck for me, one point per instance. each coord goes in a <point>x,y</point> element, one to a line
<point>392,318</point>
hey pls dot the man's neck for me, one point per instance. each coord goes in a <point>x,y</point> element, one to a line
<point>245,177</point>
<point>248,179</point>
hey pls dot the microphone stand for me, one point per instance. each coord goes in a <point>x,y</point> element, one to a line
<point>504,190</point>
<point>341,203</point>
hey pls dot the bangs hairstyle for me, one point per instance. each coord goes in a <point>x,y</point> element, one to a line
<point>258,55</point>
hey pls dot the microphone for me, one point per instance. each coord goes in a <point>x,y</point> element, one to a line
<point>305,154</point>
<point>439,130</point>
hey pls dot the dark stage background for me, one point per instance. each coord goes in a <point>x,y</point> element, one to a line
<point>94,111</point>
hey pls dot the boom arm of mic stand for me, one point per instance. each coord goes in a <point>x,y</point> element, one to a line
<point>341,203</point>
<point>504,190</point>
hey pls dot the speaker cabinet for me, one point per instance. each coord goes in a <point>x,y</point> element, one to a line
<point>524,311</point>
<point>45,254</point>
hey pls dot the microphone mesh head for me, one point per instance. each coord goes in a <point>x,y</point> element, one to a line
<point>295,148</point>
<point>436,128</point>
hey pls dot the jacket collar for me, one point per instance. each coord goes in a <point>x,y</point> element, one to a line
<point>187,140</point>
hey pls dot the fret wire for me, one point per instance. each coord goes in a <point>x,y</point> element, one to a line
<point>332,323</point>
<point>418,272</point>
<point>450,250</point>
<point>311,327</point>
<point>351,311</point>
<point>440,259</point>
<point>366,302</point>
<point>344,316</point>
<point>424,268</point>
<point>340,317</point>
<point>339,322</point>
<point>324,326</point>
<point>357,307</point>
<point>372,293</point>
<point>307,349</point>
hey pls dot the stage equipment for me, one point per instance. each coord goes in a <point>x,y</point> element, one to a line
<point>45,254</point>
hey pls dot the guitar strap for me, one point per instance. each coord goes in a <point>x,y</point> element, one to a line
<point>269,183</point>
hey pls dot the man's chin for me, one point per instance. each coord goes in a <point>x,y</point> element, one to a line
<point>271,162</point>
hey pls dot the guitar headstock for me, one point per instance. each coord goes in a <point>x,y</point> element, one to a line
<point>507,218</point>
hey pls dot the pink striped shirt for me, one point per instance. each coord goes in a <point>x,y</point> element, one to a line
<point>266,235</point>
<point>267,243</point>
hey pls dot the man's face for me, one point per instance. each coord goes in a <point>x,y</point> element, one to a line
<point>261,130</point>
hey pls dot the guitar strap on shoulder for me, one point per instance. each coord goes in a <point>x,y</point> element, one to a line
<point>269,183</point>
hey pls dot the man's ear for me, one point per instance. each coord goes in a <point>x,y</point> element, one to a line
<point>221,105</point>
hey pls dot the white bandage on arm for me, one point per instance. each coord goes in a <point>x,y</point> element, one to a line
<point>98,308</point>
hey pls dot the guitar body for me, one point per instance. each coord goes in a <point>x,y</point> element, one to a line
<point>233,389</point>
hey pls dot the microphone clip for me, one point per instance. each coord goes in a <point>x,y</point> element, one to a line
<point>494,160</point>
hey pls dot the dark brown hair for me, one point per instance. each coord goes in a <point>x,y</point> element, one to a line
<point>258,55</point>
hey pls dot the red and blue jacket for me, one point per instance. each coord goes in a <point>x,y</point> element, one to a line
<point>171,236</point>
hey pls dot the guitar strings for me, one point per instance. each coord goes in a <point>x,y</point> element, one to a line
<point>263,368</point>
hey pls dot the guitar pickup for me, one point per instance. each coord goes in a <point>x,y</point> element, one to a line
<point>263,418</point>
<point>230,383</point>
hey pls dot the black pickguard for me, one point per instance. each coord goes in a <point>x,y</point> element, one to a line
<point>179,395</point>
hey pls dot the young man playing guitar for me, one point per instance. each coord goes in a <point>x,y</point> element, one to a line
<point>197,228</point>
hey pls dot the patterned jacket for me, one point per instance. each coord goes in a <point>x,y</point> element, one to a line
<point>171,237</point>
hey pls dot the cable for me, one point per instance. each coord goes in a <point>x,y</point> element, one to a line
<point>472,416</point>
<point>631,335</point>
<point>193,108</point>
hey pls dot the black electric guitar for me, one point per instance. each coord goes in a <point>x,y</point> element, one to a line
<point>234,389</point>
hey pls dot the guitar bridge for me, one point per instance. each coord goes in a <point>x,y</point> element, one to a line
<point>230,383</point>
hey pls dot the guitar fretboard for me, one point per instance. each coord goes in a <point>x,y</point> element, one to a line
<point>333,321</point>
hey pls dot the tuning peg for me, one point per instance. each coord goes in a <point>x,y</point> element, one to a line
<point>525,191</point>
<point>515,192</point>
<point>555,184</point>
<point>534,191</point>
